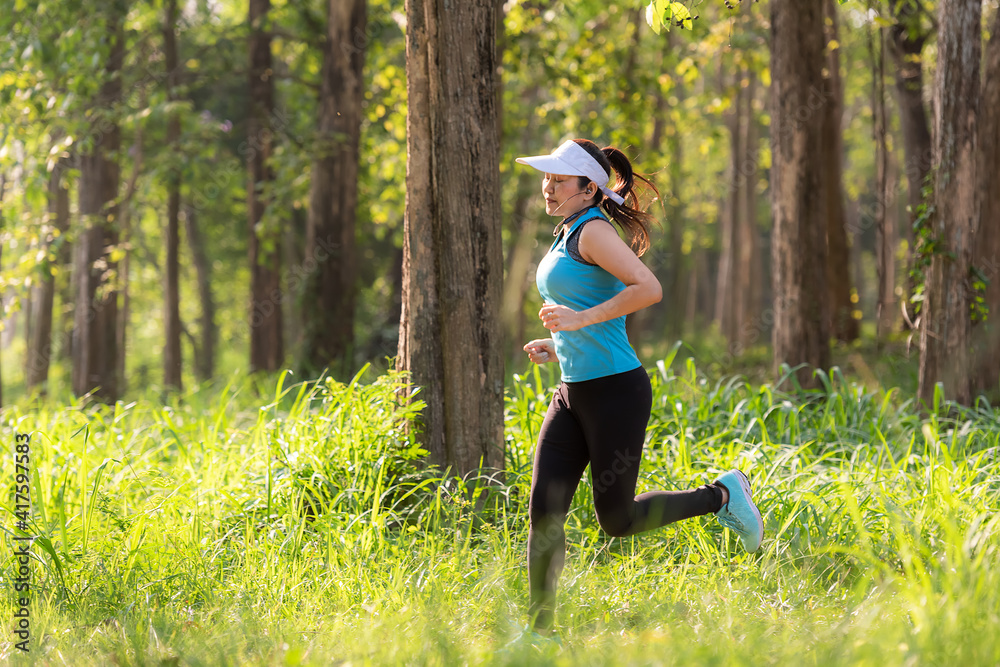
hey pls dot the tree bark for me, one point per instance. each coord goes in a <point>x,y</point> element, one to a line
<point>884,252</point>
<point>449,338</point>
<point>39,356</point>
<point>798,248</point>
<point>298,273</point>
<point>95,338</point>
<point>906,42</point>
<point>987,246</point>
<point>725,290</point>
<point>205,357</point>
<point>266,336</point>
<point>172,309</point>
<point>746,283</point>
<point>944,318</point>
<point>333,197</point>
<point>890,243</point>
<point>838,267</point>
<point>748,260</point>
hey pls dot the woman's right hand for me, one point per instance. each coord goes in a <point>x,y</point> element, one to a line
<point>541,350</point>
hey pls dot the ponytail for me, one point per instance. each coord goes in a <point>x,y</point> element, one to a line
<point>629,216</point>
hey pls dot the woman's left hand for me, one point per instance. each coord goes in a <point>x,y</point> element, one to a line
<point>561,318</point>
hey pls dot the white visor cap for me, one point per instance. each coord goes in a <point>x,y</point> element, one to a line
<point>572,159</point>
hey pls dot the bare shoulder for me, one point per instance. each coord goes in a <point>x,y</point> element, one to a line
<point>597,237</point>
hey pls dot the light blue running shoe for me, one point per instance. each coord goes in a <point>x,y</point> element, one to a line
<point>740,514</point>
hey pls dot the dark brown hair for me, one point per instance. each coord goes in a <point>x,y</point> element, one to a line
<point>630,216</point>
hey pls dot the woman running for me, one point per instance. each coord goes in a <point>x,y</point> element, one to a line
<point>589,281</point>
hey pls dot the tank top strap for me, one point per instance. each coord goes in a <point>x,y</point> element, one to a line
<point>589,214</point>
<point>583,220</point>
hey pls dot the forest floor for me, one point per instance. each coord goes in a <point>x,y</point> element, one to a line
<point>292,525</point>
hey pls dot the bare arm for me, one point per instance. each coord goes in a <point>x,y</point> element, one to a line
<point>601,245</point>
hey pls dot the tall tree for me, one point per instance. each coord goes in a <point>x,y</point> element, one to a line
<point>884,228</point>
<point>333,196</point>
<point>838,270</point>
<point>204,352</point>
<point>39,356</point>
<point>987,247</point>
<point>798,246</point>
<point>172,297</point>
<point>729,223</point>
<point>449,339</point>
<point>266,337</point>
<point>95,341</point>
<point>747,255</point>
<point>907,37</point>
<point>944,319</point>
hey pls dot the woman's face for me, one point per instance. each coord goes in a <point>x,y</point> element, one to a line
<point>563,194</point>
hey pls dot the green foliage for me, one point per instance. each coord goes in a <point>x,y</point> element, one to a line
<point>662,14</point>
<point>298,528</point>
<point>925,243</point>
<point>978,310</point>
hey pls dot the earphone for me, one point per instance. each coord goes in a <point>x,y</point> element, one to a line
<point>588,193</point>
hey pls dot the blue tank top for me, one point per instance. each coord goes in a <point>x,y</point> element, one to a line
<point>597,350</point>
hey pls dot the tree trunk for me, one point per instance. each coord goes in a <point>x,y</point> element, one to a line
<point>333,198</point>
<point>838,270</point>
<point>944,318</point>
<point>987,255</point>
<point>67,288</point>
<point>798,245</point>
<point>748,261</point>
<point>205,363</point>
<point>725,290</point>
<point>890,312</point>
<point>298,274</point>
<point>266,339</point>
<point>906,42</point>
<point>95,337</point>
<point>453,265</point>
<point>39,355</point>
<point>172,309</point>
<point>884,253</point>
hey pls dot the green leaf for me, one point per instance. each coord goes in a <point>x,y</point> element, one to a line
<point>653,17</point>
<point>679,11</point>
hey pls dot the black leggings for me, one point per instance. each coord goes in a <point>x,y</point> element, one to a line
<point>601,422</point>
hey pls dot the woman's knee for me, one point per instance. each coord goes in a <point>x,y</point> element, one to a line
<point>615,521</point>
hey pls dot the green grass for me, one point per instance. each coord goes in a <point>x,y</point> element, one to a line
<point>234,527</point>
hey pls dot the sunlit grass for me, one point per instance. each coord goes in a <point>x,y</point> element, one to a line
<point>296,527</point>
